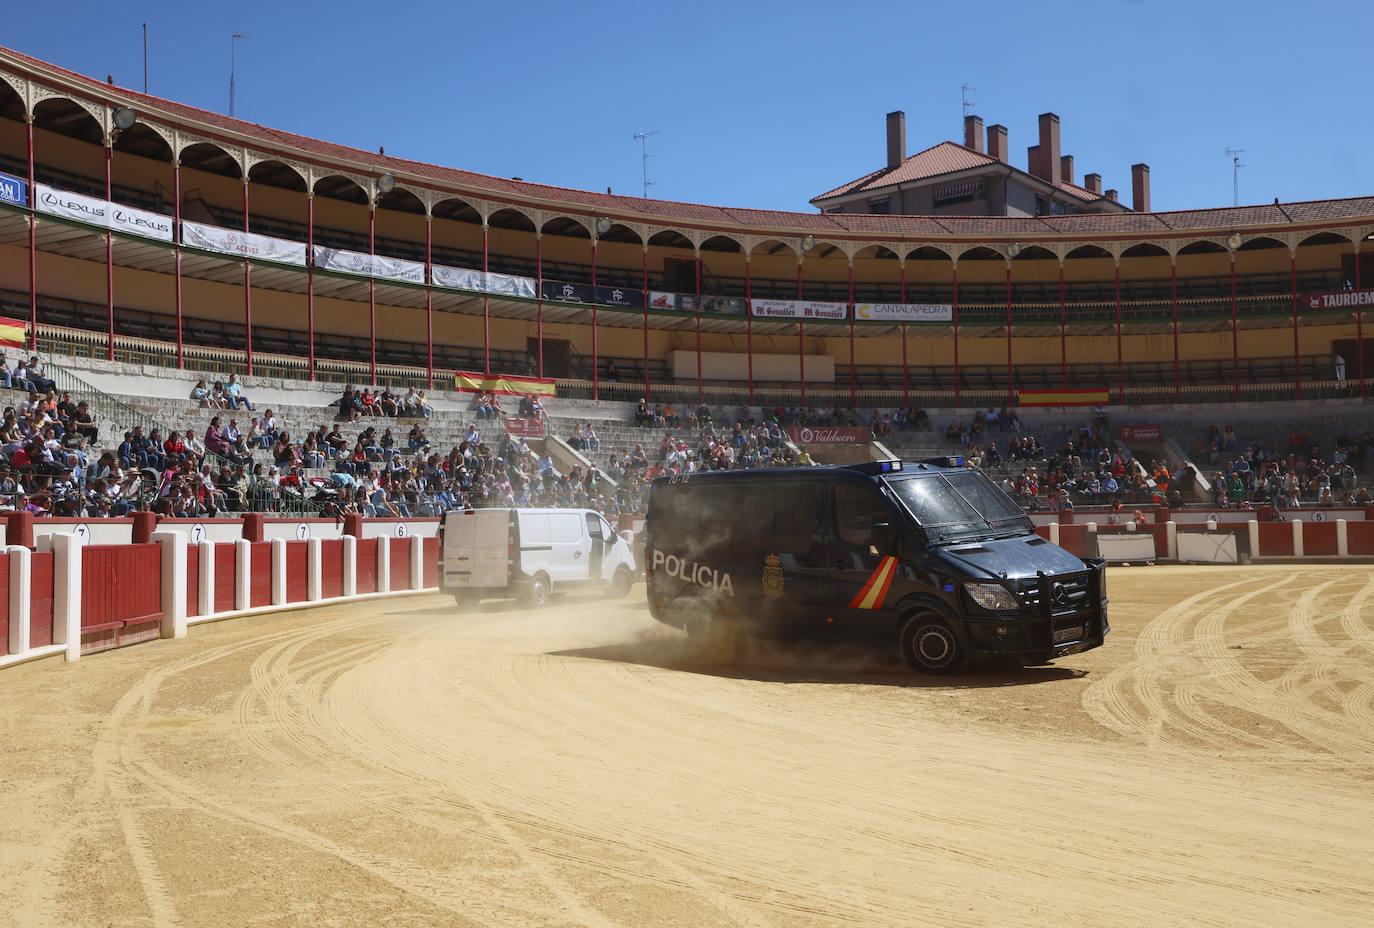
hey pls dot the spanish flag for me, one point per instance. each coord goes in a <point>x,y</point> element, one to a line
<point>12,333</point>
<point>1063,397</point>
<point>467,382</point>
<point>875,590</point>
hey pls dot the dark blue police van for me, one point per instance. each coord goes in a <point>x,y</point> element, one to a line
<point>934,559</point>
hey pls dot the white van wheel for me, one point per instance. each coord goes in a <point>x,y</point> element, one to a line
<point>621,583</point>
<point>466,599</point>
<point>537,593</point>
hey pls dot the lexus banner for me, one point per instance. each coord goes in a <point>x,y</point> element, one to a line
<point>242,244</point>
<point>140,222</point>
<point>71,205</point>
<point>798,309</point>
<point>903,312</point>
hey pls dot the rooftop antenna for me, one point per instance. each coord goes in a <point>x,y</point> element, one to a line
<point>233,49</point>
<point>1234,154</point>
<point>643,139</point>
<point>968,104</point>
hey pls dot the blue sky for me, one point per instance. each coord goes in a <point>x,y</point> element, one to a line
<point>765,104</point>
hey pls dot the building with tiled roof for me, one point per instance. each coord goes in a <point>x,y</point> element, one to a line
<point>950,179</point>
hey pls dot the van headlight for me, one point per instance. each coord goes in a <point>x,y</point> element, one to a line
<point>991,596</point>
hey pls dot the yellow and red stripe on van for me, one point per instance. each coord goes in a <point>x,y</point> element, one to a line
<point>875,590</point>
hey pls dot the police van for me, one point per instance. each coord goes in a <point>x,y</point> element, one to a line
<point>932,557</point>
<point>530,554</point>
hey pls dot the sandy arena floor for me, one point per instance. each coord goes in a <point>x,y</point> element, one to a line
<point>402,764</point>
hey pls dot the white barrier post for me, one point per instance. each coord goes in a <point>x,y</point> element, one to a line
<point>173,582</point>
<point>243,565</point>
<point>66,593</point>
<point>1253,528</point>
<point>350,565</point>
<point>313,584</point>
<point>417,562</point>
<point>1342,539</point>
<point>1054,533</point>
<point>383,564</point>
<point>1297,537</point>
<point>1171,540</point>
<point>21,586</point>
<point>205,601</point>
<point>278,571</point>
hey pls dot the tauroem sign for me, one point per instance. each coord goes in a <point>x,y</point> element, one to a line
<point>904,312</point>
<point>1339,299</point>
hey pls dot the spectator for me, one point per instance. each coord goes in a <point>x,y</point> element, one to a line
<point>233,394</point>
<point>201,393</point>
<point>35,376</point>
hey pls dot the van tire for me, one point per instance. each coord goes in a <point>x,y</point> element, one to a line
<point>621,583</point>
<point>536,593</point>
<point>930,646</point>
<point>466,599</point>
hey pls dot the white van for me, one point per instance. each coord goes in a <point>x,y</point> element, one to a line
<point>530,553</point>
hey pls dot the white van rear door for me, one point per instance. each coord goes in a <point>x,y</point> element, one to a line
<point>475,548</point>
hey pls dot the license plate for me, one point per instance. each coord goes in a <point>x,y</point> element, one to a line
<point>1073,633</point>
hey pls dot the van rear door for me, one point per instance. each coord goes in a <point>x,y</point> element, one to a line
<point>475,548</point>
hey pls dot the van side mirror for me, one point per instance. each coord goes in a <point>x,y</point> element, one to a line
<point>883,537</point>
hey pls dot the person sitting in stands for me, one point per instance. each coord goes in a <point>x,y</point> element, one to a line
<point>612,372</point>
<point>644,414</point>
<point>201,393</point>
<point>410,403</point>
<point>423,406</point>
<point>386,401</point>
<point>233,394</point>
<point>370,407</point>
<point>217,399</point>
<point>35,376</point>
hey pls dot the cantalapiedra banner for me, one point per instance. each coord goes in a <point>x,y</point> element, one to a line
<point>904,312</point>
<point>798,309</point>
<point>468,382</point>
<point>71,205</point>
<point>365,265</point>
<point>242,244</point>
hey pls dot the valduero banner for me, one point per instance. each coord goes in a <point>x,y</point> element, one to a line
<point>559,292</point>
<point>365,265</point>
<point>1339,299</point>
<point>13,190</point>
<point>620,296</point>
<point>809,435</point>
<point>242,244</point>
<point>904,312</point>
<point>798,309</point>
<point>691,303</point>
<point>1139,433</point>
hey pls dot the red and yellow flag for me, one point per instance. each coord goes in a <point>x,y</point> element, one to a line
<point>875,590</point>
<point>505,383</point>
<point>12,333</point>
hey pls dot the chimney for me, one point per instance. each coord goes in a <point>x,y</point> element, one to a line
<point>896,138</point>
<point>1140,188</point>
<point>1093,182</point>
<point>997,142</point>
<point>1043,160</point>
<point>973,132</point>
<point>1066,168</point>
<point>1111,195</point>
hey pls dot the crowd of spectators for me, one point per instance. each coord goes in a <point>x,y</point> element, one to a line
<point>356,404</point>
<point>1300,471</point>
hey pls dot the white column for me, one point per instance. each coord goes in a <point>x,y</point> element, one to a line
<point>173,582</point>
<point>417,562</point>
<point>1297,537</point>
<point>313,572</point>
<point>350,566</point>
<point>21,597</point>
<point>383,564</point>
<point>1342,539</point>
<point>278,571</point>
<point>1054,533</point>
<point>66,593</point>
<point>1253,528</point>
<point>1171,540</point>
<point>206,598</point>
<point>243,566</point>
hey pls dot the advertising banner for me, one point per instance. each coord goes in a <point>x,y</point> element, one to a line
<point>525,428</point>
<point>566,293</point>
<point>1339,299</point>
<point>691,303</point>
<point>242,244</point>
<point>140,222</point>
<point>1139,433</point>
<point>459,278</point>
<point>468,382</point>
<point>904,312</point>
<point>71,205</point>
<point>799,309</point>
<point>13,190</point>
<point>816,435</point>
<point>355,262</point>
<point>620,296</point>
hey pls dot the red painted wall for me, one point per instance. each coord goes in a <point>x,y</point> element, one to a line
<point>331,568</point>
<point>367,565</point>
<point>399,554</point>
<point>120,582</point>
<point>260,584</point>
<point>1275,539</point>
<point>1360,537</point>
<point>1319,539</point>
<point>40,611</point>
<point>225,572</point>
<point>296,572</point>
<point>431,563</point>
<point>192,580</point>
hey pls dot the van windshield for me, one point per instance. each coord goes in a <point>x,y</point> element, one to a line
<point>962,506</point>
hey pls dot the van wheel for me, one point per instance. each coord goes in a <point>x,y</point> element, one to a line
<point>537,593</point>
<point>466,599</point>
<point>930,646</point>
<point>621,583</point>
